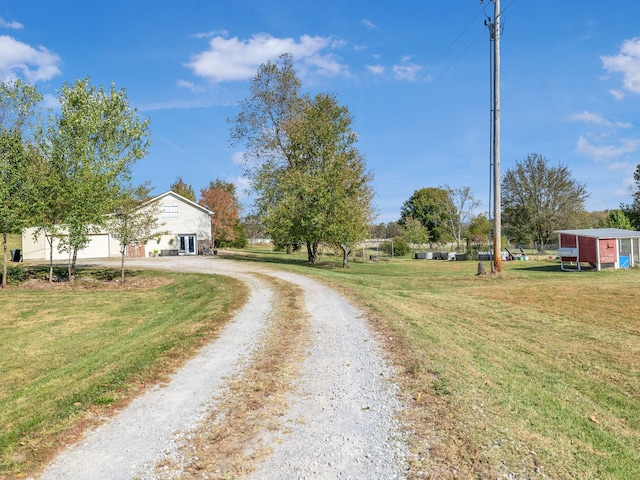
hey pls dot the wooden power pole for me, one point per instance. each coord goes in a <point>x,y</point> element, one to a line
<point>494,30</point>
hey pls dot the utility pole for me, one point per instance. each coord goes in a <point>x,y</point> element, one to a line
<point>494,31</point>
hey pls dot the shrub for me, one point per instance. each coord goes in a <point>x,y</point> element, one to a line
<point>400,247</point>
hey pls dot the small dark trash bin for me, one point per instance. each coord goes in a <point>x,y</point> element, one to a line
<point>16,255</point>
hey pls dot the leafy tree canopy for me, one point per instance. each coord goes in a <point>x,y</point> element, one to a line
<point>310,180</point>
<point>220,198</point>
<point>428,206</point>
<point>538,198</point>
<point>135,220</point>
<point>180,187</point>
<point>90,147</point>
<point>617,219</point>
<point>18,110</point>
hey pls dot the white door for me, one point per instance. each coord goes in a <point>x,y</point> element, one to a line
<point>187,244</point>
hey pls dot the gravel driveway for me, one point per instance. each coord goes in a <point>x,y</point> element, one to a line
<point>340,422</point>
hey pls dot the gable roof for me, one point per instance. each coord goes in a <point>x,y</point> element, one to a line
<point>601,233</point>
<point>174,194</point>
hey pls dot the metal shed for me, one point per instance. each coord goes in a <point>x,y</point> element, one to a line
<point>599,247</point>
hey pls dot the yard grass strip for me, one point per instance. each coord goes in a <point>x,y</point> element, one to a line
<point>71,355</point>
<point>534,373</point>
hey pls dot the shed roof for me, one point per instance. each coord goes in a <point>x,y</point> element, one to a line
<point>602,233</point>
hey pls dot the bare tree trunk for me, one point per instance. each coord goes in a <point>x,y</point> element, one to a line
<point>122,266</point>
<point>72,272</point>
<point>50,257</point>
<point>4,265</point>
<point>346,251</point>
<point>312,252</point>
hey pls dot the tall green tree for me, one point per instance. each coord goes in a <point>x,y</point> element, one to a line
<point>300,155</point>
<point>332,190</point>
<point>428,205</point>
<point>617,219</point>
<point>479,229</point>
<point>135,220</point>
<point>414,232</point>
<point>260,126</point>
<point>18,111</point>
<point>93,142</point>
<point>184,189</point>
<point>538,198</point>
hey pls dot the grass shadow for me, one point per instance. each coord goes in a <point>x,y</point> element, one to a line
<point>553,268</point>
<point>21,272</point>
<point>275,259</point>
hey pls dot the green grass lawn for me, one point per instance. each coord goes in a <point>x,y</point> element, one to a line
<point>534,373</point>
<point>69,355</point>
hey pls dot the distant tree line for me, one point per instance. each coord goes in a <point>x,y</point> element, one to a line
<point>538,198</point>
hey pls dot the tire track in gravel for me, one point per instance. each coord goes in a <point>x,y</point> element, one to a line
<point>341,417</point>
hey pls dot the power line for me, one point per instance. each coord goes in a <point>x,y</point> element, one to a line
<point>455,60</point>
<point>446,50</point>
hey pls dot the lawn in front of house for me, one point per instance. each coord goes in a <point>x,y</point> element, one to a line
<point>70,354</point>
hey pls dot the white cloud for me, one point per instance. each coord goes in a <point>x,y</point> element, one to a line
<point>212,33</point>
<point>406,72</point>
<point>626,62</point>
<point>376,69</point>
<point>619,166</point>
<point>190,86</point>
<point>17,58</point>
<point>606,152</point>
<point>617,94</point>
<point>243,187</point>
<point>50,101</point>
<point>589,117</point>
<point>369,24</point>
<point>231,59</point>
<point>238,158</point>
<point>13,25</point>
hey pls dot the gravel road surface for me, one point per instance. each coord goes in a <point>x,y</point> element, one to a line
<point>341,418</point>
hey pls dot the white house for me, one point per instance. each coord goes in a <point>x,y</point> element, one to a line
<point>188,227</point>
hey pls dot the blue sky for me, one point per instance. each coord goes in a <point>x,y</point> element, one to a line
<point>414,74</point>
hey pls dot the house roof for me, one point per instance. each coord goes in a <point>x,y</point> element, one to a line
<point>172,193</point>
<point>601,233</point>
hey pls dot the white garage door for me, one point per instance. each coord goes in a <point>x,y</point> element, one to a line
<point>98,248</point>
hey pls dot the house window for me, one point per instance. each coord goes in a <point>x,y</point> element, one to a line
<point>169,211</point>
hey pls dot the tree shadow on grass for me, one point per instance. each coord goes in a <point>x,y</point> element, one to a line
<point>21,273</point>
<point>552,268</point>
<point>275,259</point>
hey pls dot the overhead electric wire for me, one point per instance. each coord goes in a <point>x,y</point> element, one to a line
<point>455,60</point>
<point>453,42</point>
